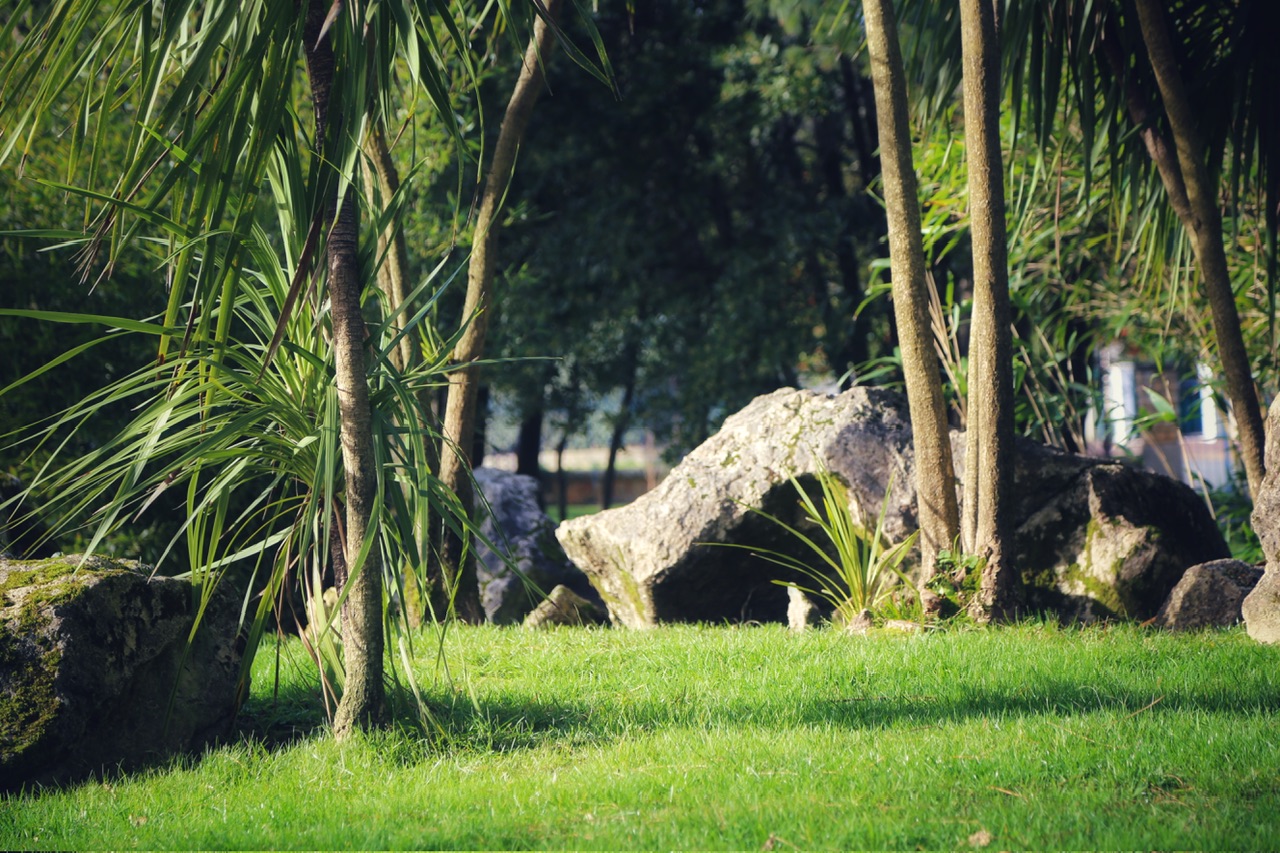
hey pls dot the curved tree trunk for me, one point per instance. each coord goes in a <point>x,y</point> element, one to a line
<point>1200,215</point>
<point>363,700</point>
<point>459,420</point>
<point>989,440</point>
<point>382,181</point>
<point>935,472</point>
<point>393,273</point>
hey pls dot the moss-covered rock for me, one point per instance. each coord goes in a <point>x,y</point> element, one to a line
<point>1097,539</point>
<point>96,671</point>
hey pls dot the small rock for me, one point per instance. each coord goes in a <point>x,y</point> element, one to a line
<point>563,607</point>
<point>803,612</point>
<point>859,624</point>
<point>1208,596</point>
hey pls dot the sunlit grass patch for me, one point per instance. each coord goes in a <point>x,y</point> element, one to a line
<point>725,738</point>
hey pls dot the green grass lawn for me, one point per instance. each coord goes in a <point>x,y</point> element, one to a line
<point>739,738</point>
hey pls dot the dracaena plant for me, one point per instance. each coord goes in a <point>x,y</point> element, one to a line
<point>249,447</point>
<point>852,566</point>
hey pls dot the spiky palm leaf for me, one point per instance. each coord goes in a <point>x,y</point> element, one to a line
<point>241,409</point>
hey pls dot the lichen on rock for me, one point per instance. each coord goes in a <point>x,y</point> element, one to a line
<point>96,671</point>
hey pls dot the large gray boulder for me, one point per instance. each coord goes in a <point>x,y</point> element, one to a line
<point>648,559</point>
<point>1208,596</point>
<point>95,672</point>
<point>526,562</point>
<point>1261,609</point>
<point>1094,539</point>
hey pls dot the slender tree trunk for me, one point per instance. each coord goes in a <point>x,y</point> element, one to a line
<point>363,700</point>
<point>1201,216</point>
<point>845,342</point>
<point>619,431</point>
<point>989,440</point>
<point>528,450</point>
<point>383,181</point>
<point>393,275</point>
<point>935,472</point>
<point>459,421</point>
<point>562,480</point>
<point>480,426</point>
<point>856,106</point>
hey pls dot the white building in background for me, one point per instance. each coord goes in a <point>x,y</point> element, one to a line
<point>1196,448</point>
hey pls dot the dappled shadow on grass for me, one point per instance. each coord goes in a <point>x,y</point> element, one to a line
<point>273,722</point>
<point>488,722</point>
<point>500,723</point>
<point>1041,698</point>
<point>442,723</point>
<point>291,712</point>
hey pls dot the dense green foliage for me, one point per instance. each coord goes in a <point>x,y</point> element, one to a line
<point>699,238</point>
<point>703,231</point>
<point>1027,737</point>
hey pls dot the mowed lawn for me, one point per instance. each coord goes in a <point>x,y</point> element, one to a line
<point>1030,736</point>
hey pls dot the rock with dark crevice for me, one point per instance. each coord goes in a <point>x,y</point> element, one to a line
<point>659,558</point>
<point>1094,538</point>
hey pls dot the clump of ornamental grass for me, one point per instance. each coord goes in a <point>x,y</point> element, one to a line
<point>851,566</point>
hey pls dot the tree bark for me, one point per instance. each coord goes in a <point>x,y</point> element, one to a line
<point>1201,216</point>
<point>845,342</point>
<point>989,440</point>
<point>562,480</point>
<point>459,422</point>
<point>363,702</point>
<point>935,472</point>
<point>393,273</point>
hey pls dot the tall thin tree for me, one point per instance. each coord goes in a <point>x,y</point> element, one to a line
<point>935,472</point>
<point>1193,195</point>
<point>363,701</point>
<point>460,410</point>
<point>988,462</point>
